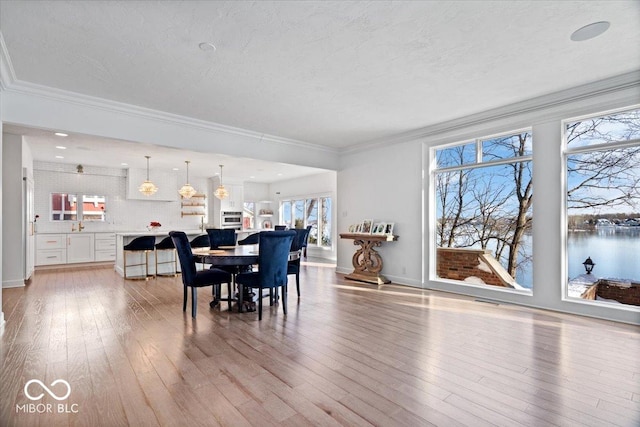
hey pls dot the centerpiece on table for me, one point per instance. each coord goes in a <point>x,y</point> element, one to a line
<point>153,225</point>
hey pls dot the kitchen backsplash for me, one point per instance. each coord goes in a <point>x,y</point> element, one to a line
<point>121,214</point>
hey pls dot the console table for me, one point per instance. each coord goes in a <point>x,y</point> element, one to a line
<point>367,263</point>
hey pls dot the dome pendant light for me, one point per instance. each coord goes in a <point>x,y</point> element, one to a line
<point>148,188</point>
<point>221,192</point>
<point>187,191</point>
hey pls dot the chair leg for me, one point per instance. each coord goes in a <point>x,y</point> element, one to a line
<point>260,304</point>
<point>240,298</point>
<point>184,300</point>
<point>229,294</point>
<point>284,299</point>
<point>194,301</point>
<point>298,283</point>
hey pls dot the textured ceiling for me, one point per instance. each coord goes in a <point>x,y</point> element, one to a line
<point>337,74</point>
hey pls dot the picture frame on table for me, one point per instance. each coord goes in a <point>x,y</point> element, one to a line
<point>388,230</point>
<point>366,226</point>
<point>379,228</point>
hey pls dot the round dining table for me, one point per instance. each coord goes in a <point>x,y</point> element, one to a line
<point>232,256</point>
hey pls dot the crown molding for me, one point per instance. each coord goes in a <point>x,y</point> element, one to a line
<point>59,95</point>
<point>7,74</point>
<point>534,108</point>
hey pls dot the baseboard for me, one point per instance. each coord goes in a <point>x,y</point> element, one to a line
<point>13,284</point>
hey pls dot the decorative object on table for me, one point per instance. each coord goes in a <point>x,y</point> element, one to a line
<point>366,226</point>
<point>388,230</point>
<point>379,228</point>
<point>148,188</point>
<point>187,191</point>
<point>153,225</point>
<point>221,192</point>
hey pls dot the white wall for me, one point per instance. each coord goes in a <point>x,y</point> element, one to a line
<point>392,183</point>
<point>16,155</point>
<point>122,214</point>
<point>2,321</point>
<point>384,185</point>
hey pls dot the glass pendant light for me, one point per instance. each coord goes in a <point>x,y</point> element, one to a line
<point>187,191</point>
<point>221,192</point>
<point>148,188</point>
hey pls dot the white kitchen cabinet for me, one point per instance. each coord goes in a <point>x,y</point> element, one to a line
<point>80,247</point>
<point>235,201</point>
<point>51,249</point>
<point>105,247</point>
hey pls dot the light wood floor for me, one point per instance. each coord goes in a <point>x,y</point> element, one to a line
<point>347,354</point>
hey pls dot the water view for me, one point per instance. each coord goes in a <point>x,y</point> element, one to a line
<point>615,251</point>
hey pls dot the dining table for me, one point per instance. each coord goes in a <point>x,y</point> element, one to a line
<point>233,256</point>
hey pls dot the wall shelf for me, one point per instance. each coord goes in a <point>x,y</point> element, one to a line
<point>194,207</point>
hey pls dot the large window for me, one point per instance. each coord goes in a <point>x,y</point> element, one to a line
<point>483,208</point>
<point>309,211</point>
<point>602,156</point>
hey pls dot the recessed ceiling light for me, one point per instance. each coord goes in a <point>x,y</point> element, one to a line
<point>176,169</point>
<point>124,164</point>
<point>60,134</point>
<point>252,177</point>
<point>279,174</point>
<point>207,46</point>
<point>60,147</point>
<point>590,31</point>
<point>59,157</point>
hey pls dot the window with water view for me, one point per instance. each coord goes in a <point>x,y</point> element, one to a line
<point>483,202</point>
<point>310,211</point>
<point>603,208</point>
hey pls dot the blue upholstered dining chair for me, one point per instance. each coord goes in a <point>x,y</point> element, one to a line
<point>196,279</point>
<point>221,237</point>
<point>272,267</point>
<point>306,241</point>
<point>251,239</point>
<point>293,267</point>
<point>280,227</point>
<point>201,241</point>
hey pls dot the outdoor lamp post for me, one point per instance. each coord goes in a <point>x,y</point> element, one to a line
<point>588,265</point>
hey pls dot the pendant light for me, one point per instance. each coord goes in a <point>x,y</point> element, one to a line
<point>148,188</point>
<point>221,192</point>
<point>187,191</point>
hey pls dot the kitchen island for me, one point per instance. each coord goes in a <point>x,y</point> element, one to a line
<point>124,238</point>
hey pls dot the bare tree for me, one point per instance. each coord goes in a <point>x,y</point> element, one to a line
<point>607,177</point>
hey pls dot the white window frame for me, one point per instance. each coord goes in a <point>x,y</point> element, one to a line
<point>566,152</point>
<point>479,163</point>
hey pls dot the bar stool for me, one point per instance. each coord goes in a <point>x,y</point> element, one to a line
<point>166,245</point>
<point>142,244</point>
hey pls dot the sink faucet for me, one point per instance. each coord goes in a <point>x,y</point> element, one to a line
<point>80,226</point>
